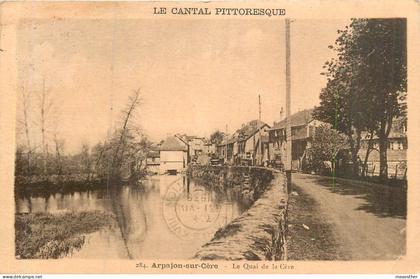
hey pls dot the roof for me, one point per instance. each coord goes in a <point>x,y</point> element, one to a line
<point>249,129</point>
<point>297,119</point>
<point>196,138</point>
<point>187,139</point>
<point>245,132</point>
<point>173,144</point>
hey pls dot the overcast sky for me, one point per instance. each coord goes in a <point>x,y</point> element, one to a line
<point>195,76</point>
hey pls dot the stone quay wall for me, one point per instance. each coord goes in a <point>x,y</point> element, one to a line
<point>260,232</point>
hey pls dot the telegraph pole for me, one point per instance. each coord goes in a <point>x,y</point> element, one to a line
<point>259,130</point>
<point>288,162</point>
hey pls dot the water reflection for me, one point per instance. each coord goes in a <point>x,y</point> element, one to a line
<point>166,217</point>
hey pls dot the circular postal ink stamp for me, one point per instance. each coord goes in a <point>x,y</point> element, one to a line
<point>193,211</point>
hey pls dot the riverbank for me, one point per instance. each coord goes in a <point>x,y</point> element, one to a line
<point>45,235</point>
<point>59,183</point>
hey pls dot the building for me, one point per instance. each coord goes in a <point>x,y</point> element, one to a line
<point>397,146</point>
<point>209,148</point>
<point>221,149</point>
<point>173,155</point>
<point>304,126</point>
<point>252,143</point>
<point>302,129</point>
<point>247,145</point>
<point>196,146</point>
<point>153,162</point>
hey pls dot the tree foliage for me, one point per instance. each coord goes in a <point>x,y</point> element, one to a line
<point>366,82</point>
<point>326,145</point>
<point>217,137</point>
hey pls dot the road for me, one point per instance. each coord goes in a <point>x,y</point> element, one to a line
<point>368,220</point>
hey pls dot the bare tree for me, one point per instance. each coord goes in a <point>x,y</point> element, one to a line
<point>25,107</point>
<point>86,161</point>
<point>45,107</point>
<point>44,149</point>
<point>59,146</point>
<point>124,132</point>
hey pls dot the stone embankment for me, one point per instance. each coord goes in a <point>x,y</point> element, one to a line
<point>260,232</point>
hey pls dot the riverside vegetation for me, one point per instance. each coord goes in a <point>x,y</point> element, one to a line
<point>120,157</point>
<point>45,235</point>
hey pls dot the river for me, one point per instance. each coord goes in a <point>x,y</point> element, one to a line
<point>164,217</point>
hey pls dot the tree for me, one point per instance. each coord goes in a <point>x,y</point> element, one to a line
<point>59,146</point>
<point>370,137</point>
<point>217,137</point>
<point>136,155</point>
<point>86,161</point>
<point>342,108</point>
<point>383,51</point>
<point>366,83</point>
<point>118,148</point>
<point>46,106</point>
<point>326,145</point>
<point>99,156</point>
<point>25,124</point>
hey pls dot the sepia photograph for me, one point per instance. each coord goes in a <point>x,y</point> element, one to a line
<point>196,135</point>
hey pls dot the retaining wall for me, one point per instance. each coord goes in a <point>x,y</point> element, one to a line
<point>260,232</point>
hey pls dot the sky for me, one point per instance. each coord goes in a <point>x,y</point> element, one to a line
<point>195,75</point>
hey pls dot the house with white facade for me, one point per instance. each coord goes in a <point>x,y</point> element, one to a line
<point>173,156</point>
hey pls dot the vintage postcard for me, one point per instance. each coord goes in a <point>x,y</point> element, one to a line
<point>209,137</point>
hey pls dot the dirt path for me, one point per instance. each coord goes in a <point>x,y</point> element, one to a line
<point>367,220</point>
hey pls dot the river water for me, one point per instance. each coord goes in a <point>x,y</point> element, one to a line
<point>165,217</point>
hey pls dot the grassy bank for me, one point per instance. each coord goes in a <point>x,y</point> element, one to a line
<point>44,235</point>
<point>310,236</point>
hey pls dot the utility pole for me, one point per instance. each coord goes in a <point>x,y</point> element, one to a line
<point>259,130</point>
<point>288,163</point>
